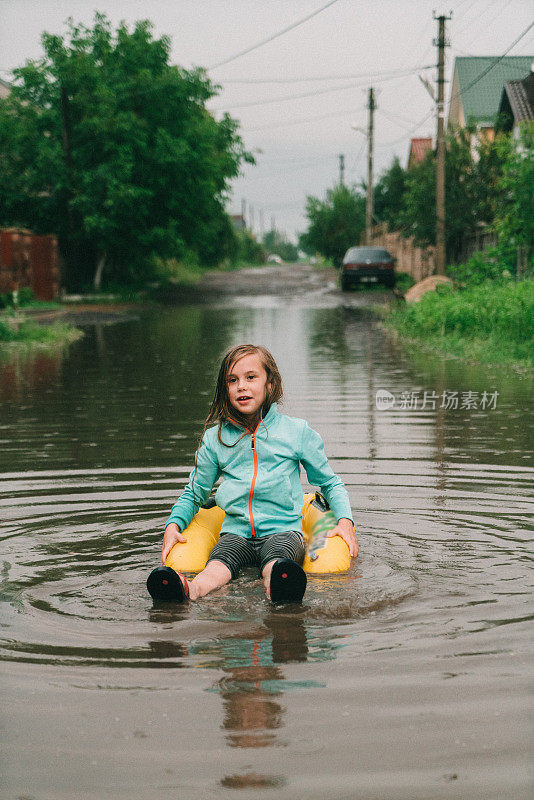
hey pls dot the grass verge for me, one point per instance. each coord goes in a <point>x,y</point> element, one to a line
<point>23,331</point>
<point>489,323</point>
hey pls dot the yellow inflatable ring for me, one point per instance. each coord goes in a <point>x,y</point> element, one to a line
<point>323,555</point>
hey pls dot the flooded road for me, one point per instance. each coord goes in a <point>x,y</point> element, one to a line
<point>406,678</point>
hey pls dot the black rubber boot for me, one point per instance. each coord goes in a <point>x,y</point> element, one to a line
<point>164,583</point>
<point>288,582</point>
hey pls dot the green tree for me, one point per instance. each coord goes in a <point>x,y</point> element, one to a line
<point>336,223</point>
<point>418,217</point>
<point>485,177</point>
<point>514,222</point>
<point>389,195</point>
<point>472,192</point>
<point>105,143</point>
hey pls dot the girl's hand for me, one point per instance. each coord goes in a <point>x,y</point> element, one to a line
<point>171,536</point>
<point>345,529</point>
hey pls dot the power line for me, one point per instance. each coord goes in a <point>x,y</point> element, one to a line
<point>291,169</point>
<point>313,93</point>
<point>292,160</point>
<point>408,133</point>
<point>463,16</point>
<point>287,97</point>
<point>494,64</point>
<point>400,121</point>
<point>496,61</point>
<point>290,204</point>
<point>274,36</point>
<point>367,75</point>
<point>481,27</point>
<point>301,120</point>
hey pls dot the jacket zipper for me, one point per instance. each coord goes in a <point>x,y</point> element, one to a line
<point>254,474</point>
<point>253,483</point>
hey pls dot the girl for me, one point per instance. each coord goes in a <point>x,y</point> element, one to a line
<point>258,452</point>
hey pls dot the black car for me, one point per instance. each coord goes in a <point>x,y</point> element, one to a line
<point>367,265</point>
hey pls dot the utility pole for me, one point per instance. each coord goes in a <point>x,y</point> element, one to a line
<point>440,149</point>
<point>243,212</point>
<point>369,204</point>
<point>341,169</point>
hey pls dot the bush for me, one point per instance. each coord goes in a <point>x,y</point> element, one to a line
<point>483,266</point>
<point>249,251</point>
<point>403,282</point>
<point>7,333</point>
<point>276,243</point>
<point>186,272</point>
<point>487,322</point>
<point>25,297</point>
<point>30,332</point>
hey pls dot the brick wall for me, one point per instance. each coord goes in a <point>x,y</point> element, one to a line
<point>418,262</point>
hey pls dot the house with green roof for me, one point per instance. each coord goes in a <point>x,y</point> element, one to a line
<point>477,87</point>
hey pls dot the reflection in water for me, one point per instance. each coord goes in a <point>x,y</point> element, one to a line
<point>164,651</point>
<point>251,780</point>
<point>27,371</point>
<point>118,396</point>
<point>251,711</point>
<point>252,692</point>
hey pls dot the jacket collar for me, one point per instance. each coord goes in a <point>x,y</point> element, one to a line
<point>267,420</point>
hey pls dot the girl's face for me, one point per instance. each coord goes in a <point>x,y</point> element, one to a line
<point>247,384</point>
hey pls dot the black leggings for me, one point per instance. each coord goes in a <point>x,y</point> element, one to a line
<point>236,552</point>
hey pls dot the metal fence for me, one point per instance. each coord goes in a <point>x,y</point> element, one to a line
<point>29,261</point>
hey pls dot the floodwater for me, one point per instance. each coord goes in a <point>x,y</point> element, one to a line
<point>406,678</point>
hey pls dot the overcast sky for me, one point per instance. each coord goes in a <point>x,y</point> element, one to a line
<point>324,67</point>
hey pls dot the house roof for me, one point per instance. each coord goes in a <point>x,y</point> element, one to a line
<point>520,99</point>
<point>480,101</point>
<point>418,149</point>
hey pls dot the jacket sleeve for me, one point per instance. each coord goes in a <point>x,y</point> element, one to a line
<point>201,481</point>
<point>320,473</point>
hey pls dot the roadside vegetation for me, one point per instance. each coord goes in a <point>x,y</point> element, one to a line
<point>487,313</point>
<point>17,328</point>
<point>487,323</point>
<point>25,298</point>
<point>21,330</point>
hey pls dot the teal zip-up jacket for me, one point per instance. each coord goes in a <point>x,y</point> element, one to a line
<point>261,492</point>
